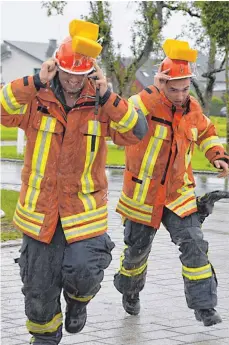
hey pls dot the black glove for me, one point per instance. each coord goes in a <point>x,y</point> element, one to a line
<point>206,202</point>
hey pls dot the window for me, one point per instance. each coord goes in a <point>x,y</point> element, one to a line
<point>36,70</point>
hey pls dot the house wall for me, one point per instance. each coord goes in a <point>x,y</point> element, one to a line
<point>18,65</point>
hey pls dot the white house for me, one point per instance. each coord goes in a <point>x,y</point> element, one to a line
<point>19,59</point>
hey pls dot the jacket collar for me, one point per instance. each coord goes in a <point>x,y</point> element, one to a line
<point>184,108</point>
<point>54,93</point>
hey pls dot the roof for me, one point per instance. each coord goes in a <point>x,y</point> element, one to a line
<point>5,51</point>
<point>37,50</point>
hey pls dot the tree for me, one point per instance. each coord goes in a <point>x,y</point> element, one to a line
<point>145,39</point>
<point>205,42</point>
<point>216,21</point>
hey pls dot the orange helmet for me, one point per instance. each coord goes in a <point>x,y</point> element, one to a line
<point>178,58</point>
<point>178,69</point>
<point>72,62</point>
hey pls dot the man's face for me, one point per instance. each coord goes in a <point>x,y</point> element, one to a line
<point>177,91</point>
<point>72,83</point>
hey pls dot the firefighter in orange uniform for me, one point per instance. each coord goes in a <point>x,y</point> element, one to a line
<point>159,185</point>
<point>62,209</point>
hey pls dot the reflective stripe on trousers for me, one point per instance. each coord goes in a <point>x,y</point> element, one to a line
<point>46,269</point>
<point>199,278</point>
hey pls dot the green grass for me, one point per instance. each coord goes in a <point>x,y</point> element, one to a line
<point>220,124</point>
<point>8,204</point>
<point>115,155</point>
<point>200,162</point>
<point>8,133</point>
<point>10,152</point>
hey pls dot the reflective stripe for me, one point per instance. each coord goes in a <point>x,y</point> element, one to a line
<point>128,121</point>
<point>130,272</point>
<point>197,273</point>
<point>81,299</point>
<point>187,181</point>
<point>86,229</point>
<point>48,327</point>
<point>94,129</point>
<point>39,160</point>
<point>88,201</point>
<point>137,101</point>
<point>188,157</point>
<point>27,226</point>
<point>210,142</point>
<point>181,199</point>
<point>194,133</point>
<point>10,103</point>
<point>84,217</point>
<point>207,128</point>
<point>133,213</point>
<point>133,272</point>
<point>186,207</point>
<point>34,216</point>
<point>136,204</point>
<point>148,163</point>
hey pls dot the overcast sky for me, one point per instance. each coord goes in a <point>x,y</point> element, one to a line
<point>27,21</point>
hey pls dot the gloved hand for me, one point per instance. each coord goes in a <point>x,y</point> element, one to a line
<point>205,203</point>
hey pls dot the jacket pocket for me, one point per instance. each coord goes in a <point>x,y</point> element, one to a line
<point>191,133</point>
<point>97,128</point>
<point>47,123</point>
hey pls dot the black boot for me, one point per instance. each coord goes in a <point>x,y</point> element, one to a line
<point>75,315</point>
<point>131,303</point>
<point>208,316</point>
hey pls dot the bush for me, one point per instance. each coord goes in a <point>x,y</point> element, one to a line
<point>216,105</point>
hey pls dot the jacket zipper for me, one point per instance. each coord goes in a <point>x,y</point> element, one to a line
<point>170,154</point>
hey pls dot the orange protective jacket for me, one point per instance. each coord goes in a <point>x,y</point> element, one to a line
<point>158,169</point>
<point>64,166</point>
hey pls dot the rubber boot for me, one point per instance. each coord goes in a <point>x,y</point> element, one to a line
<point>209,317</point>
<point>131,303</point>
<point>75,315</point>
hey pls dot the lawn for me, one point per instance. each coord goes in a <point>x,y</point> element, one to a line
<point>220,124</point>
<point>8,133</point>
<point>10,152</point>
<point>8,204</point>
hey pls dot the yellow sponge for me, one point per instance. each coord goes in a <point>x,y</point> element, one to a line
<point>84,36</point>
<point>86,46</point>
<point>179,50</point>
<point>84,29</point>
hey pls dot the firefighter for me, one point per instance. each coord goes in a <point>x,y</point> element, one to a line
<point>62,209</point>
<point>159,185</point>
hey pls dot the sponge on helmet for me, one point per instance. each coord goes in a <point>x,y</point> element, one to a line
<point>179,50</point>
<point>84,36</point>
<point>84,29</point>
<point>86,46</point>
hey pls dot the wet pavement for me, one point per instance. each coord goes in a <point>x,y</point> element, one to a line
<point>164,318</point>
